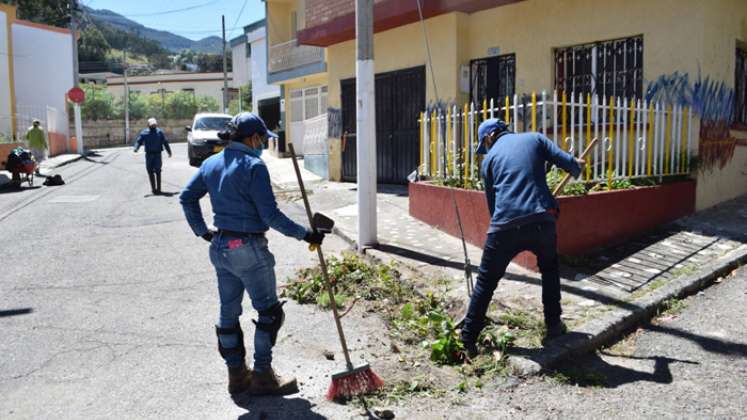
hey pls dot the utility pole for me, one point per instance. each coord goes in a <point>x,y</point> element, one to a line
<point>365,124</point>
<point>225,73</point>
<point>76,106</point>
<point>126,100</point>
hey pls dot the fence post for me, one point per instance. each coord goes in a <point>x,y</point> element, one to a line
<point>544,113</point>
<point>422,127</point>
<point>555,116</point>
<point>588,132</point>
<point>595,104</point>
<point>649,139</point>
<point>612,137</point>
<point>507,111</point>
<point>689,138</point>
<point>516,112</point>
<point>631,137</point>
<point>563,119</point>
<point>534,111</point>
<point>668,140</point>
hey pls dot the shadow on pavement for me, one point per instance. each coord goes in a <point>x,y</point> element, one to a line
<point>15,312</point>
<point>17,189</point>
<point>593,371</point>
<point>709,344</point>
<point>261,408</point>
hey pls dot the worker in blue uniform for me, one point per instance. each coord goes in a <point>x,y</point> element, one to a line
<point>523,218</point>
<point>244,208</point>
<point>155,142</point>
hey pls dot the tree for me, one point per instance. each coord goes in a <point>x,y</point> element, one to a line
<point>48,12</point>
<point>99,103</point>
<point>92,47</point>
<point>212,62</point>
<point>246,100</point>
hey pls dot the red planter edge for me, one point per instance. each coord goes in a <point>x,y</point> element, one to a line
<point>586,222</point>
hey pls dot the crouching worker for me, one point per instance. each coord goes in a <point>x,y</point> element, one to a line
<point>523,219</point>
<point>244,209</point>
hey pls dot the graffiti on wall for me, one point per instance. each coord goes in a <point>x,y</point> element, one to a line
<point>712,101</point>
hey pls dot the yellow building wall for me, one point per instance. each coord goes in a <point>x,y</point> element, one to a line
<point>725,23</point>
<point>278,21</point>
<point>403,48</point>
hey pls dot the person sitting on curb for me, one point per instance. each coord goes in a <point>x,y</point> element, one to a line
<point>37,143</point>
<point>155,142</point>
<point>523,219</point>
<point>244,208</point>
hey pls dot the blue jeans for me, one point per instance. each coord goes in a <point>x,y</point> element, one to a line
<point>250,267</point>
<point>500,248</point>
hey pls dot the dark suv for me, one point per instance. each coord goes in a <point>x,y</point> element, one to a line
<point>202,139</point>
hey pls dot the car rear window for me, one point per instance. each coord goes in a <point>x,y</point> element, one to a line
<point>211,123</point>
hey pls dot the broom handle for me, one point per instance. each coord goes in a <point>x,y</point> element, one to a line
<point>567,177</point>
<point>322,263</point>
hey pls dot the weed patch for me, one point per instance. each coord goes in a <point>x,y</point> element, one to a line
<point>672,307</point>
<point>578,377</point>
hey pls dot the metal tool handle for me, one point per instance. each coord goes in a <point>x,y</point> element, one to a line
<point>567,177</point>
<point>322,262</point>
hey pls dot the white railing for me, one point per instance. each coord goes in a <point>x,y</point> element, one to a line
<point>290,55</point>
<point>315,135</point>
<point>637,138</point>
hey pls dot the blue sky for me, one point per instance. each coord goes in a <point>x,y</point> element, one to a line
<point>202,18</point>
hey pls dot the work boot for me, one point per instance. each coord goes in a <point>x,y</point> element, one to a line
<point>158,183</point>
<point>239,379</point>
<point>269,383</point>
<point>553,331</point>
<point>152,179</point>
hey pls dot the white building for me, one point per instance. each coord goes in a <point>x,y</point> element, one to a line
<point>200,84</point>
<point>36,71</point>
<point>250,58</point>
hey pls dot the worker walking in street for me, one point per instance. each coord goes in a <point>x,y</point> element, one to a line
<point>155,143</point>
<point>244,208</point>
<point>523,219</point>
<point>37,140</point>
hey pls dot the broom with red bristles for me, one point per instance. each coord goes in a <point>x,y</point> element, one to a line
<point>354,380</point>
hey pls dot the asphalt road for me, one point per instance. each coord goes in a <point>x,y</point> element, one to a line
<point>107,305</point>
<point>108,301</point>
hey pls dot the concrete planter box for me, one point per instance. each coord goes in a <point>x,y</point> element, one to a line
<point>586,222</point>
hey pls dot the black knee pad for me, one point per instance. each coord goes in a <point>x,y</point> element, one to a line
<point>226,352</point>
<point>278,318</point>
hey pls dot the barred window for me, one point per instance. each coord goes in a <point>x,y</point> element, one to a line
<point>606,68</point>
<point>740,87</point>
<point>492,78</point>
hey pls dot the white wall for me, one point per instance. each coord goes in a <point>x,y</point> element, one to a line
<point>241,65</point>
<point>260,88</point>
<point>5,99</point>
<point>43,72</point>
<point>212,87</point>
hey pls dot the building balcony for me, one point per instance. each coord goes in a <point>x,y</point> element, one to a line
<point>290,55</point>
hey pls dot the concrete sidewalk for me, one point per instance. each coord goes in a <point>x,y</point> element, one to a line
<point>46,166</point>
<point>603,294</point>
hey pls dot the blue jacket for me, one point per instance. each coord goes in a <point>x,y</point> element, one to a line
<point>155,141</point>
<point>514,175</point>
<point>240,193</point>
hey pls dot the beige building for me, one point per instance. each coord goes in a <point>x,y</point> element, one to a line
<point>200,84</point>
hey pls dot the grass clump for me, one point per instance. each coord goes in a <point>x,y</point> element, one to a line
<point>578,377</point>
<point>527,328</point>
<point>672,307</point>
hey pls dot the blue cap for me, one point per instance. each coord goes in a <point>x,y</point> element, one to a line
<point>247,124</point>
<point>488,126</point>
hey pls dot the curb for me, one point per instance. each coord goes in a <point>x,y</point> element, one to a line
<point>598,332</point>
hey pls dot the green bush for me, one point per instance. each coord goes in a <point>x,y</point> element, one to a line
<point>99,103</point>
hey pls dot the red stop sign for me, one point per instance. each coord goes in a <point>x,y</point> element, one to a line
<point>76,95</point>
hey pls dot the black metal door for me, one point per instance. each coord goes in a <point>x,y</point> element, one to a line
<point>349,168</point>
<point>400,97</point>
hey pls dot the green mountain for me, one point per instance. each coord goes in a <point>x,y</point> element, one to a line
<point>169,41</point>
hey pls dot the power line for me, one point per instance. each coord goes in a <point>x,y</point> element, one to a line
<point>238,17</point>
<point>168,12</point>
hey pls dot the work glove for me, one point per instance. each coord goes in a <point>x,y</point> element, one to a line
<point>313,237</point>
<point>208,236</point>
